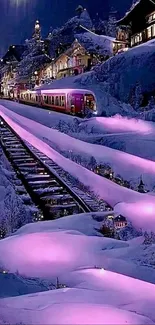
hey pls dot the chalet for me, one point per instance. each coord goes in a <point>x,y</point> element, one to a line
<point>120,222</point>
<point>138,24</point>
<point>87,50</point>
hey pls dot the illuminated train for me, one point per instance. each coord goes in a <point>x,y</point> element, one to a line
<point>71,101</point>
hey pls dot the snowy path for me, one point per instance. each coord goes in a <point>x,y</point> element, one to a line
<point>139,208</point>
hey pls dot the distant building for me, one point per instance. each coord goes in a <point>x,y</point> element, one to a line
<point>8,67</point>
<point>138,24</point>
<point>120,222</point>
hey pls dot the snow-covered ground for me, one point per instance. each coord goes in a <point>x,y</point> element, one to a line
<point>89,267</point>
<point>128,166</point>
<point>138,208</point>
<point>13,285</point>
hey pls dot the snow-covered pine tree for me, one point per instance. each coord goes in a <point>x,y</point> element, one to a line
<point>149,238</point>
<point>111,24</point>
<point>151,104</point>
<point>92,163</point>
<point>99,25</point>
<point>85,20</point>
<point>136,96</point>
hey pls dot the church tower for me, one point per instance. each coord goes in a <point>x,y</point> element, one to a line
<point>37,31</point>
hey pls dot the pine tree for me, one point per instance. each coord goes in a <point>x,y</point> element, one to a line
<point>149,238</point>
<point>136,96</point>
<point>92,163</point>
<point>85,20</point>
<point>151,104</point>
<point>111,24</point>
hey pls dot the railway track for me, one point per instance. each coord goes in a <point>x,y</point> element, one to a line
<point>43,179</point>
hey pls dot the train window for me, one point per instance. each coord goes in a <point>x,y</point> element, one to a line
<point>52,100</point>
<point>63,101</point>
<point>49,100</point>
<point>30,96</point>
<point>36,98</point>
<point>46,99</point>
<point>57,101</point>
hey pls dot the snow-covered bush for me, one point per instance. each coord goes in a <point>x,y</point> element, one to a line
<point>129,232</point>
<point>13,212</point>
<point>149,238</point>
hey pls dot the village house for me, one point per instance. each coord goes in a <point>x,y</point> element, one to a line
<point>9,64</point>
<point>120,222</point>
<point>88,50</point>
<point>138,24</point>
<point>75,60</point>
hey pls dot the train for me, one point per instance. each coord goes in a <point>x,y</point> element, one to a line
<point>71,101</point>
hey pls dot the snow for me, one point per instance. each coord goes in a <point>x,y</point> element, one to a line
<point>66,251</point>
<point>74,313</point>
<point>87,224</point>
<point>126,73</point>
<point>118,160</point>
<point>101,44</point>
<point>138,208</point>
<point>93,293</point>
<point>14,285</point>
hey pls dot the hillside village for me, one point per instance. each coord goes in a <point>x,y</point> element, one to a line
<point>82,45</point>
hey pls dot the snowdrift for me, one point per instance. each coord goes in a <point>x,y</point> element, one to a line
<point>81,262</point>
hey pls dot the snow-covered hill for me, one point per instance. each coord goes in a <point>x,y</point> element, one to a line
<point>90,269</point>
<point>131,73</point>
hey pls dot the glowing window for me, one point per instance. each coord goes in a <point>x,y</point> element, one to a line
<point>149,32</point>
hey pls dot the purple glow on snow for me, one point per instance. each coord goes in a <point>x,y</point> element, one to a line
<point>119,124</point>
<point>133,205</point>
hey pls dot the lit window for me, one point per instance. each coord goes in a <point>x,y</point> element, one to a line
<point>137,38</point>
<point>140,37</point>
<point>149,32</point>
<point>153,30</point>
<point>132,41</point>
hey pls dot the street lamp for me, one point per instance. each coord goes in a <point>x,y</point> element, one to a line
<point>36,74</point>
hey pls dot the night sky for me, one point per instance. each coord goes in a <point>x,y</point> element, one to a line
<point>17,17</point>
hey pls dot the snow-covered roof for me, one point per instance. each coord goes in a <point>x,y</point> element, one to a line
<point>120,218</point>
<point>97,44</point>
<point>66,91</point>
<point>133,7</point>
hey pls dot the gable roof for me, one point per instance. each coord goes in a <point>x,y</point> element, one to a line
<point>136,7</point>
<point>120,218</point>
<point>14,52</point>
